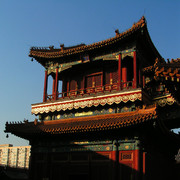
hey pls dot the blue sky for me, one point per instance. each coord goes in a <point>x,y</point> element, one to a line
<point>43,23</point>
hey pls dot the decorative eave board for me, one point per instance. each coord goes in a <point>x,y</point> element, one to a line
<point>88,102</point>
<point>164,100</point>
<point>98,123</point>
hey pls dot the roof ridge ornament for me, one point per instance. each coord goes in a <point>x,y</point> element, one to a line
<point>117,32</point>
<point>51,47</point>
<point>62,47</point>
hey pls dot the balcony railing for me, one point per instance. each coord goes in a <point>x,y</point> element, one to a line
<point>92,90</point>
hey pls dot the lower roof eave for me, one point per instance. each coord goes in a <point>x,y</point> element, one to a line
<point>83,124</point>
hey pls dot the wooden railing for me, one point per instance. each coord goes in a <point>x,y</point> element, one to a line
<point>92,90</point>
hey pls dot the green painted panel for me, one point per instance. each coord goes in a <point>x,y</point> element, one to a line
<point>91,112</point>
<point>88,146</point>
<point>106,57</point>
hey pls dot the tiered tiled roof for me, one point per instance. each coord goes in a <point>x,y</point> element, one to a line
<point>167,73</point>
<point>83,124</point>
<point>56,53</point>
<point>169,70</point>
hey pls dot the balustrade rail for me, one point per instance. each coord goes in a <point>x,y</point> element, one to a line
<point>92,90</point>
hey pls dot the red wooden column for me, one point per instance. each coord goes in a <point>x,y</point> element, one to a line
<point>115,159</point>
<point>136,164</point>
<point>134,70</point>
<point>124,77</point>
<point>119,71</point>
<point>144,165</point>
<point>45,86</point>
<point>56,85</point>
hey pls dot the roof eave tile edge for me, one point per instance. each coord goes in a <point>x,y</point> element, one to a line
<point>149,114</point>
<point>51,54</point>
<point>145,117</point>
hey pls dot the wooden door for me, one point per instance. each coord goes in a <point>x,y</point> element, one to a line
<point>94,82</point>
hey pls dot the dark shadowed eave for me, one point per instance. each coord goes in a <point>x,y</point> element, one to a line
<point>83,124</point>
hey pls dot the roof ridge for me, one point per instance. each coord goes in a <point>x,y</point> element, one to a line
<point>39,52</point>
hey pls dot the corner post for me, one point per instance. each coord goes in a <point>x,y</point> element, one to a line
<point>45,86</point>
<point>134,70</point>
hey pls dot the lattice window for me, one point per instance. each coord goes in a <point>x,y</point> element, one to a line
<point>89,81</point>
<point>107,78</point>
<point>64,89</point>
<point>80,83</point>
<point>127,156</point>
<point>73,85</point>
<point>115,75</point>
<point>98,80</point>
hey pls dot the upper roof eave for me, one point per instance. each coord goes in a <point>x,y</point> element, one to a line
<point>58,53</point>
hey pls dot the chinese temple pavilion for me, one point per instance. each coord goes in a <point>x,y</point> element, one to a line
<point>110,111</point>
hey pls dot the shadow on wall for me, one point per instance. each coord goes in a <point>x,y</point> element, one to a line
<point>104,165</point>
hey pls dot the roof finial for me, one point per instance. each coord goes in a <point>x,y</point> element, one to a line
<point>143,19</point>
<point>62,46</point>
<point>51,47</point>
<point>117,32</point>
